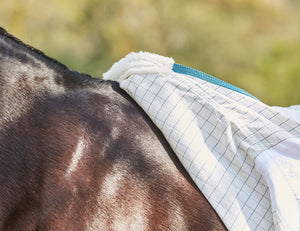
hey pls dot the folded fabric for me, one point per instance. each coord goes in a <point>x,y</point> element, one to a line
<point>242,154</point>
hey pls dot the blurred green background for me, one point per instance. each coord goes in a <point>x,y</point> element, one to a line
<point>253,44</point>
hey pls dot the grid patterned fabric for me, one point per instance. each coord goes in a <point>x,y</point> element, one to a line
<point>218,134</point>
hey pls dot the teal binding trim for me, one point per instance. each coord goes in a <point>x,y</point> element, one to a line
<point>181,69</point>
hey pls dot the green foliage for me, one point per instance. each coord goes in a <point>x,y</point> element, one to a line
<point>253,44</point>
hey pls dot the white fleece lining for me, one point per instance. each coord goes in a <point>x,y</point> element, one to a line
<point>139,63</point>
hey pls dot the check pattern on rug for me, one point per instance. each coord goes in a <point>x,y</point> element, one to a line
<point>222,138</point>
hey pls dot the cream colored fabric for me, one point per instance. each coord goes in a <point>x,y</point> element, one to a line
<point>235,148</point>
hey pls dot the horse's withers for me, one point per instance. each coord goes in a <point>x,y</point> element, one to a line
<point>76,153</point>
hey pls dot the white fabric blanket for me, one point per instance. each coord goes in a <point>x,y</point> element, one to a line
<point>242,154</point>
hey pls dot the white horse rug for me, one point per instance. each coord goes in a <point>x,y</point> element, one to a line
<point>242,154</point>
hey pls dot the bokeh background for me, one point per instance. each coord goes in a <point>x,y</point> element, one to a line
<point>253,44</point>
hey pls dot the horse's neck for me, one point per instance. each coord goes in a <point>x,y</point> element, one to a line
<point>21,66</point>
<point>28,76</point>
<point>23,78</point>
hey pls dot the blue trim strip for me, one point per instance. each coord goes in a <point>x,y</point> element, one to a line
<point>181,69</point>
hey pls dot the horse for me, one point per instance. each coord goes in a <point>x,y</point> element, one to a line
<point>77,153</point>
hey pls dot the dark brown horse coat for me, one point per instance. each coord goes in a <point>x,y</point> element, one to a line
<point>76,153</point>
